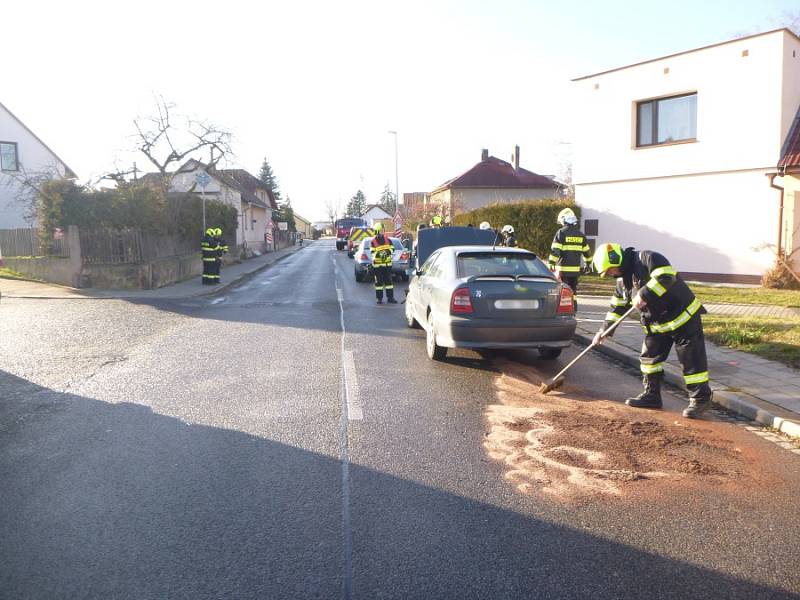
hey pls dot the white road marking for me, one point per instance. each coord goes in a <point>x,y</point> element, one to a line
<point>339,295</point>
<point>218,300</point>
<point>354,412</point>
<point>344,450</point>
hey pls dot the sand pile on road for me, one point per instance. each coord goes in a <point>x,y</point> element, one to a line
<point>569,445</point>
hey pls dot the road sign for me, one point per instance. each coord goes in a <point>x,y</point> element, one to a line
<point>203,179</point>
<point>283,225</point>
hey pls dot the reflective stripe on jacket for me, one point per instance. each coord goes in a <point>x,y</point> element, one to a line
<point>210,248</point>
<point>569,245</point>
<point>670,303</point>
<point>381,248</point>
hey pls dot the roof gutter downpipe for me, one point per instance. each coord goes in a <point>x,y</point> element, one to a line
<point>772,177</point>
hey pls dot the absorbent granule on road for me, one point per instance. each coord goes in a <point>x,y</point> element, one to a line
<point>575,444</point>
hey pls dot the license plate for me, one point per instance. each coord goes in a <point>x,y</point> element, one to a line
<point>518,304</point>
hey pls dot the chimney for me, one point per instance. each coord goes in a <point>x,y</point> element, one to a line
<point>515,158</point>
<point>484,154</point>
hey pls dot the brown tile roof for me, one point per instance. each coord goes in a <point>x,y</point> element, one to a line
<point>251,183</point>
<point>496,173</point>
<point>230,177</point>
<point>790,153</point>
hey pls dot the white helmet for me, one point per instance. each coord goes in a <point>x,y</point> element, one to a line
<point>507,229</point>
<point>485,225</point>
<point>567,217</point>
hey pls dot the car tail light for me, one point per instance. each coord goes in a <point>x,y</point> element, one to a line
<point>461,302</point>
<point>404,256</point>
<point>363,256</point>
<point>565,304</point>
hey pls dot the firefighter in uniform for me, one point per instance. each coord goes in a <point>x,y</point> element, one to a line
<point>509,237</point>
<point>208,247</point>
<point>670,315</point>
<point>382,248</point>
<point>222,248</point>
<point>569,245</point>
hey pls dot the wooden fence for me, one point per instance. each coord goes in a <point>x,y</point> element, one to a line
<point>27,242</point>
<point>131,246</point>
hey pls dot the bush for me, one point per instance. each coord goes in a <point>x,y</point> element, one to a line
<point>534,221</point>
<point>131,205</point>
<point>780,277</point>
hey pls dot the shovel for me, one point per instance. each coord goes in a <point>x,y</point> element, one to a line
<point>558,380</point>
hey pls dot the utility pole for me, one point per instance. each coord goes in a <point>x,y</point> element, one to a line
<point>396,174</point>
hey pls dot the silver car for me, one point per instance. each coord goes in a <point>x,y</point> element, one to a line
<point>487,297</point>
<point>363,260</point>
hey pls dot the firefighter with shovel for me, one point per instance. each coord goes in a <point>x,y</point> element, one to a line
<point>670,314</point>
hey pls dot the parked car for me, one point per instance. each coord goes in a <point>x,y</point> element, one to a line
<point>363,260</point>
<point>488,297</point>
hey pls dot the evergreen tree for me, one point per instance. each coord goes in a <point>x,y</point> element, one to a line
<point>287,213</point>
<point>268,177</point>
<point>388,200</point>
<point>357,205</point>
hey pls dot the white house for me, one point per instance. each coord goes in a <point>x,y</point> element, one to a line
<point>673,153</point>
<point>492,181</point>
<point>374,213</point>
<point>252,200</point>
<point>22,154</point>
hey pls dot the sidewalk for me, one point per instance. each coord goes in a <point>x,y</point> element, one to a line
<point>759,389</point>
<point>190,288</point>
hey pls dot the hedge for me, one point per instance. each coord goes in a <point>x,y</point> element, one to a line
<point>62,202</point>
<point>533,221</point>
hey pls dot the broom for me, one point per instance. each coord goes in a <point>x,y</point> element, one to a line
<point>558,380</point>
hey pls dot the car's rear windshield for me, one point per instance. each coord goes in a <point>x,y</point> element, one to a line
<point>398,245</point>
<point>471,264</point>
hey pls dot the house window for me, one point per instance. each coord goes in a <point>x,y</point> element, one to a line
<point>666,120</point>
<point>8,156</point>
<point>590,226</point>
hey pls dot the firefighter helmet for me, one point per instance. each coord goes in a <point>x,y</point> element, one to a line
<point>607,256</point>
<point>485,225</point>
<point>218,232</point>
<point>566,216</point>
<point>436,221</point>
<point>507,229</point>
<point>378,227</point>
<point>210,232</point>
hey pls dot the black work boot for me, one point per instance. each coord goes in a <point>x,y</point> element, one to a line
<point>698,405</point>
<point>390,299</point>
<point>651,395</point>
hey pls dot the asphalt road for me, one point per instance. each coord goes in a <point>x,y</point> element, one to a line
<point>245,446</point>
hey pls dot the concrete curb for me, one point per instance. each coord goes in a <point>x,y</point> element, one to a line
<point>733,401</point>
<point>201,294</point>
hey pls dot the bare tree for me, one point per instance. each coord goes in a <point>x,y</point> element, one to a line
<point>26,187</point>
<point>166,144</point>
<point>332,210</point>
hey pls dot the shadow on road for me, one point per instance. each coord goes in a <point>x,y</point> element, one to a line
<point>111,500</point>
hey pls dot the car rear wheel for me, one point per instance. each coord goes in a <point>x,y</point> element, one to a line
<point>435,352</point>
<point>549,353</point>
<point>358,277</point>
<point>410,320</point>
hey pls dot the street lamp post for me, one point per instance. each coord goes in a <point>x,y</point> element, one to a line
<point>396,175</point>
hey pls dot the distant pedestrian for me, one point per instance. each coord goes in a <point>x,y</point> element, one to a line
<point>569,247</point>
<point>208,248</point>
<point>382,248</point>
<point>509,237</point>
<point>670,314</point>
<point>222,248</point>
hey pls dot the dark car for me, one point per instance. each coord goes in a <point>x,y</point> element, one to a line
<point>489,297</point>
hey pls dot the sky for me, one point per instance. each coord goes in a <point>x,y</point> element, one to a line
<point>315,87</point>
